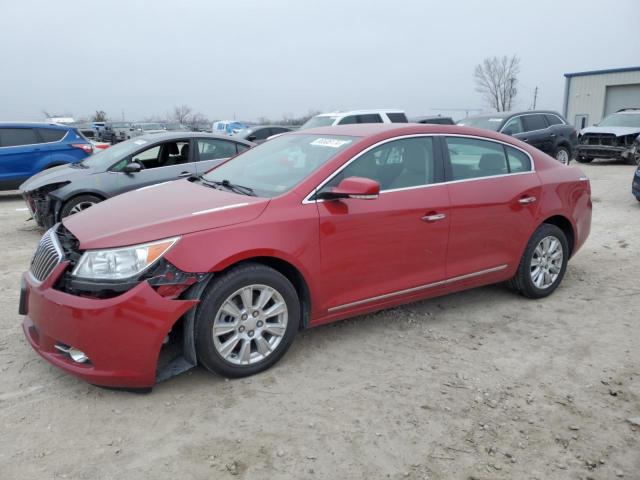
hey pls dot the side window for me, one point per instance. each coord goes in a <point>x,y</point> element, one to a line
<point>518,160</point>
<point>369,118</point>
<point>213,148</point>
<point>475,158</point>
<point>51,134</point>
<point>397,117</point>
<point>262,134</point>
<point>148,158</point>
<point>276,130</point>
<point>240,147</point>
<point>399,164</point>
<point>554,120</point>
<point>513,126</point>
<point>14,137</point>
<point>534,122</point>
<point>348,120</point>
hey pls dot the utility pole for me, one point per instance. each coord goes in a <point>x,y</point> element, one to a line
<point>535,97</point>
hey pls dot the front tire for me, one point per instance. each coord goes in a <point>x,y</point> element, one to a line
<point>246,321</point>
<point>78,204</point>
<point>543,263</point>
<point>562,155</point>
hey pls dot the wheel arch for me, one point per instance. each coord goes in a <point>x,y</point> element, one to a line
<point>564,224</point>
<point>61,201</point>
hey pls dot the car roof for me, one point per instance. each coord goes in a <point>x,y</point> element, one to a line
<point>360,112</point>
<point>511,114</point>
<point>35,124</point>
<point>628,111</point>
<point>171,135</point>
<point>394,129</point>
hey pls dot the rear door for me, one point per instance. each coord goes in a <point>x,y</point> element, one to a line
<point>381,247</point>
<point>537,132</point>
<point>211,151</point>
<point>20,151</point>
<point>494,196</point>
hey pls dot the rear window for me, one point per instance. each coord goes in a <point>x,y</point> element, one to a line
<point>51,134</point>
<point>14,137</point>
<point>553,120</point>
<point>534,122</point>
<point>518,160</point>
<point>398,117</point>
<point>369,118</point>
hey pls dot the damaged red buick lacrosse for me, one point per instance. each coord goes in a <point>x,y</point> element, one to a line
<point>222,270</point>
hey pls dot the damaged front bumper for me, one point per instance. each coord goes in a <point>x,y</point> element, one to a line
<point>630,154</point>
<point>43,207</point>
<point>120,338</point>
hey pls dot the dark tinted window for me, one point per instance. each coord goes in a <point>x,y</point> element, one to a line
<point>553,120</point>
<point>213,148</point>
<point>51,134</point>
<point>240,147</point>
<point>276,130</point>
<point>12,137</point>
<point>533,122</point>
<point>474,158</point>
<point>348,120</point>
<point>518,160</point>
<point>369,118</point>
<point>513,126</point>
<point>397,117</point>
<point>399,164</point>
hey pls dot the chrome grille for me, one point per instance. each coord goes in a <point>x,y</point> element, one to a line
<point>47,256</point>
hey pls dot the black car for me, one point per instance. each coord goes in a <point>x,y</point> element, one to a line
<point>546,130</point>
<point>433,119</point>
<point>260,133</point>
<point>635,185</point>
<point>139,162</point>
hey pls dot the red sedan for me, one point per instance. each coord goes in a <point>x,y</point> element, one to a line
<point>308,228</point>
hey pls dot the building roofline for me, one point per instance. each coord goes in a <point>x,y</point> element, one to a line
<point>602,72</point>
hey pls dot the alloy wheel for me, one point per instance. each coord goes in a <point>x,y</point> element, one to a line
<point>562,156</point>
<point>546,262</point>
<point>80,207</point>
<point>250,324</point>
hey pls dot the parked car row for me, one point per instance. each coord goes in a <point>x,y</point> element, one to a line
<point>227,264</point>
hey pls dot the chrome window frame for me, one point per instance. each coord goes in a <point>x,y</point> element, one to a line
<point>308,198</point>
<point>562,122</point>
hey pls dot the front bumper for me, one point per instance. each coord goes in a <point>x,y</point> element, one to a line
<point>600,151</point>
<point>122,336</point>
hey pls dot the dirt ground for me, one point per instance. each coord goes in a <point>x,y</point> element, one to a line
<point>478,385</point>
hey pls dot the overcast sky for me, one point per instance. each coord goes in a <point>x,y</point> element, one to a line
<point>247,59</point>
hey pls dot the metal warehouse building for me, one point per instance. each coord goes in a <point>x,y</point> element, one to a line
<point>590,96</point>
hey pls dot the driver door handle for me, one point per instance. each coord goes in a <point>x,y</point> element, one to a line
<point>184,174</point>
<point>434,217</point>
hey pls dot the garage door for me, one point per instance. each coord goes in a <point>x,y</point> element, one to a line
<point>621,96</point>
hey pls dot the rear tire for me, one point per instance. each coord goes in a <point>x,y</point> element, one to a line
<point>543,263</point>
<point>237,330</point>
<point>562,155</point>
<point>78,204</point>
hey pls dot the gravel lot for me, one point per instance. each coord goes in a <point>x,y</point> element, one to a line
<point>477,385</point>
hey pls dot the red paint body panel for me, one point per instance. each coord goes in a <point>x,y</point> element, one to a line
<point>355,255</point>
<point>121,336</point>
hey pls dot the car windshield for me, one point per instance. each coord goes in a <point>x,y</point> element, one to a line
<point>621,120</point>
<point>487,123</point>
<point>279,164</point>
<point>109,156</point>
<point>318,122</point>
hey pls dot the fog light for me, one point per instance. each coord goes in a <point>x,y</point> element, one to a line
<point>76,355</point>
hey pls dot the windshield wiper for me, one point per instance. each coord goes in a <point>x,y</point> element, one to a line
<point>234,187</point>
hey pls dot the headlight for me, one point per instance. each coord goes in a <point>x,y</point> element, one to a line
<point>121,263</point>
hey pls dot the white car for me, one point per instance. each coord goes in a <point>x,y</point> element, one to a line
<point>356,116</point>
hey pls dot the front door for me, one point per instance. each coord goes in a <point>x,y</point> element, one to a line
<point>380,247</point>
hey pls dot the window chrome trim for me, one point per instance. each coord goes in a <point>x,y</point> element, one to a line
<point>562,122</point>
<point>307,199</point>
<point>419,288</point>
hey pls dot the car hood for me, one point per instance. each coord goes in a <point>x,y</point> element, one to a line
<point>160,211</point>
<point>59,174</point>
<point>617,131</point>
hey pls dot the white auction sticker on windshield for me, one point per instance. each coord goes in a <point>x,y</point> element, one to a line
<point>495,119</point>
<point>329,142</point>
<point>140,142</point>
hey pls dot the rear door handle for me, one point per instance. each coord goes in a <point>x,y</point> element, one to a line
<point>434,217</point>
<point>527,200</point>
<point>184,174</point>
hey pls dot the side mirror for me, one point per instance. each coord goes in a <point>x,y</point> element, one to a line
<point>251,138</point>
<point>133,167</point>
<point>352,187</point>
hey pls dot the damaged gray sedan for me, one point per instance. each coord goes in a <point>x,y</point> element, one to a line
<point>142,161</point>
<point>617,137</point>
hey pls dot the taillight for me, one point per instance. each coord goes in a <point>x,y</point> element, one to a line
<point>103,146</point>
<point>88,149</point>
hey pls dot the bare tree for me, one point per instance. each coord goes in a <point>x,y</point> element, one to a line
<point>497,79</point>
<point>99,116</point>
<point>182,113</point>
